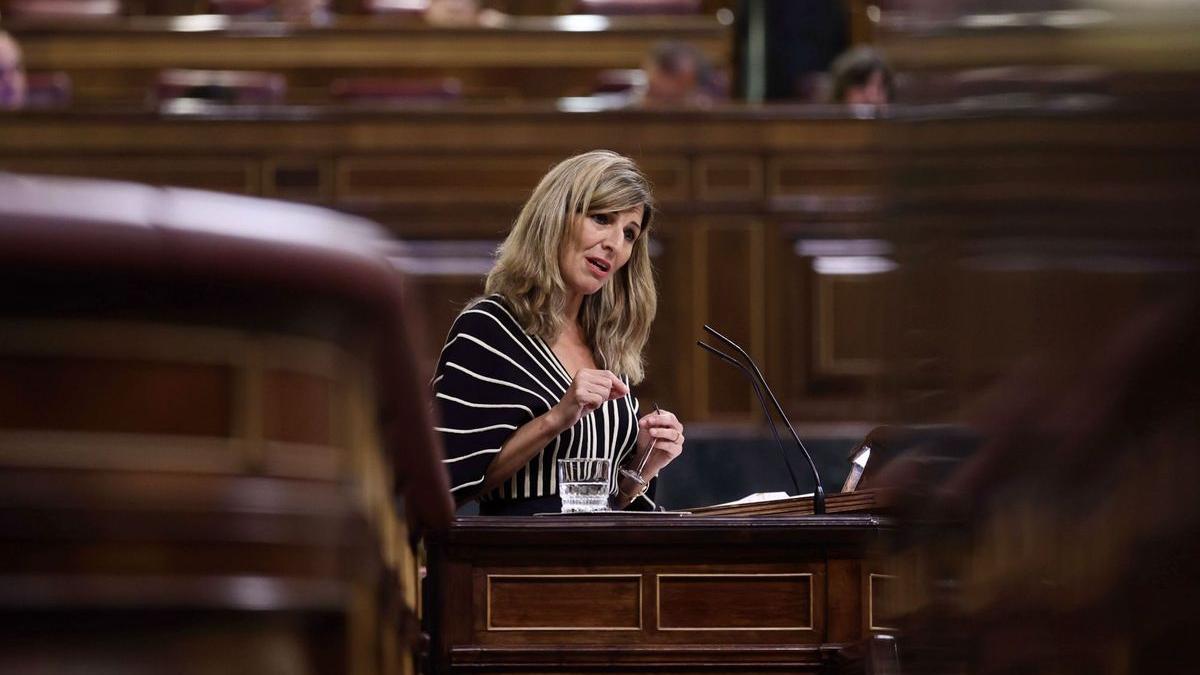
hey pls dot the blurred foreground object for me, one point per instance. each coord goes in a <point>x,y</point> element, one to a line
<point>63,10</point>
<point>215,448</point>
<point>13,82</point>
<point>1049,257</point>
<point>1070,541</point>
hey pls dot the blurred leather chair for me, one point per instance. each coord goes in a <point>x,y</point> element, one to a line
<point>220,86</point>
<point>216,448</point>
<point>633,7</point>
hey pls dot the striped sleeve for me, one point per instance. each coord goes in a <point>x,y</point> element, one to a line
<point>484,393</point>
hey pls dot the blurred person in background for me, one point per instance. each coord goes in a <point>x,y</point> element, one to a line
<point>302,11</point>
<point>861,76</point>
<point>677,73</point>
<point>1070,541</point>
<point>12,74</point>
<point>461,13</point>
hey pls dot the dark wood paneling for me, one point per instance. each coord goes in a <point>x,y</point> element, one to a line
<point>849,323</point>
<point>223,175</point>
<point>736,602</point>
<point>729,178</point>
<point>297,408</point>
<point>429,179</point>
<point>974,225</point>
<point>881,605</point>
<point>82,394</point>
<point>564,602</point>
<point>845,615</point>
<point>728,276</point>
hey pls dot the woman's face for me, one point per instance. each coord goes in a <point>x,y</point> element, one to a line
<point>598,246</point>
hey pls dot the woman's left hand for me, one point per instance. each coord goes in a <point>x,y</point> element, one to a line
<point>666,432</point>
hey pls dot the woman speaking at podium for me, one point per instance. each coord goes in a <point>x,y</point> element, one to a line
<point>540,368</point>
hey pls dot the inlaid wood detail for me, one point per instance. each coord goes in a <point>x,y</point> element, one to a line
<point>774,602</point>
<point>879,614</point>
<point>850,321</point>
<point>439,180</point>
<point>543,602</point>
<point>729,178</point>
<point>224,175</point>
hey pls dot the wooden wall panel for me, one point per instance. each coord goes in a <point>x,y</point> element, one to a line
<point>842,174</point>
<point>117,396</point>
<point>669,176</point>
<point>739,190</point>
<point>297,408</point>
<point>564,602</point>
<point>670,376</point>
<point>438,179</point>
<point>881,598</point>
<point>698,602</point>
<point>729,285</point>
<point>241,176</point>
<point>729,178</point>
<point>849,323</point>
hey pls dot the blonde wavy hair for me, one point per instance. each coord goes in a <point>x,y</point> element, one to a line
<point>616,320</point>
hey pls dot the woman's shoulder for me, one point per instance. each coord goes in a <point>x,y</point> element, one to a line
<point>486,314</point>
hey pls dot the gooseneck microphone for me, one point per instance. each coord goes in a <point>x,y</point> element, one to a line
<point>762,402</point>
<point>819,489</point>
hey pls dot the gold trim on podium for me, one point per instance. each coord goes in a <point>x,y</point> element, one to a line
<point>871,602</point>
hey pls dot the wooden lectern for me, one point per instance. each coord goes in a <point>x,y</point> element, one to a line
<point>658,593</point>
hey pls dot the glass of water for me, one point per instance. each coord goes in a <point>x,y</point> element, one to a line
<point>583,484</point>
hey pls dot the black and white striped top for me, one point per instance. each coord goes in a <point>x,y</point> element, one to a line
<point>491,379</point>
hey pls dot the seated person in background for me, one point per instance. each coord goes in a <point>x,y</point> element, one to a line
<point>677,73</point>
<point>12,74</point>
<point>296,11</point>
<point>461,13</point>
<point>540,368</point>
<point>861,76</point>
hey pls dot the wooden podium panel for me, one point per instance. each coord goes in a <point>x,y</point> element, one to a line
<point>651,593</point>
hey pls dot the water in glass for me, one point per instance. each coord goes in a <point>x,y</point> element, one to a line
<point>583,484</point>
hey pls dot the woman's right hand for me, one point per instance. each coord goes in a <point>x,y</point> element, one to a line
<point>589,390</point>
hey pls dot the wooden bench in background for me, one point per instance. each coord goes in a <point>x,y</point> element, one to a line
<point>115,61</point>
